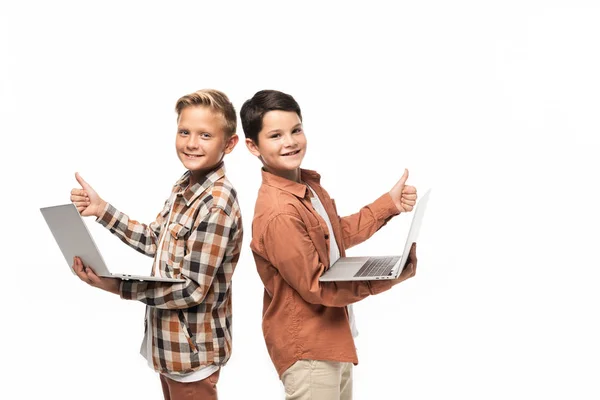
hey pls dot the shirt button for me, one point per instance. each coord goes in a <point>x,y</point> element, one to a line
<point>326,236</point>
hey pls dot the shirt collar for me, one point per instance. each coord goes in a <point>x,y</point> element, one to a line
<point>191,193</point>
<point>295,188</point>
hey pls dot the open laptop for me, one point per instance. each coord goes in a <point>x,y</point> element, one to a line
<point>371,268</point>
<point>74,239</point>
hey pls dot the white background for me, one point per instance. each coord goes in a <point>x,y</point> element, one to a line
<point>492,104</point>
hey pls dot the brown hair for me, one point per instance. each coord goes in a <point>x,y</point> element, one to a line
<point>262,102</point>
<point>215,100</point>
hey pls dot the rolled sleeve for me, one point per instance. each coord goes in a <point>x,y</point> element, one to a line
<point>137,235</point>
<point>205,251</point>
<point>291,251</point>
<point>357,228</point>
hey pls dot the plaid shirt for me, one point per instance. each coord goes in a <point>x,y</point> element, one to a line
<point>190,321</point>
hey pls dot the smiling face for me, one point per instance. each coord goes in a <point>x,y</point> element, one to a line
<point>281,144</point>
<point>201,141</point>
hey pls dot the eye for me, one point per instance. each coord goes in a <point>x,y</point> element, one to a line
<point>205,135</point>
<point>183,132</point>
<point>297,130</point>
<point>275,136</point>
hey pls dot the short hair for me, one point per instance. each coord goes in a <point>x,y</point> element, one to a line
<point>254,109</point>
<point>216,101</point>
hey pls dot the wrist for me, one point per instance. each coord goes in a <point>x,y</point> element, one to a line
<point>101,209</point>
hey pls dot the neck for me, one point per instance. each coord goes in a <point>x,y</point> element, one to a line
<point>290,175</point>
<point>198,175</point>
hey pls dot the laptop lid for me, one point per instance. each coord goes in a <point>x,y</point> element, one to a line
<point>73,237</point>
<point>413,231</point>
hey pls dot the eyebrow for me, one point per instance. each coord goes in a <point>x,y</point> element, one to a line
<point>183,128</point>
<point>281,130</point>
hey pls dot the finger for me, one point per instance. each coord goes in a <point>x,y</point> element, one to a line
<point>77,264</point>
<point>79,192</point>
<point>409,196</point>
<point>79,269</point>
<point>403,178</point>
<point>407,272</point>
<point>408,202</point>
<point>80,200</point>
<point>82,182</point>
<point>82,203</point>
<point>93,278</point>
<point>413,252</point>
<point>409,189</point>
<point>75,198</point>
<point>413,270</point>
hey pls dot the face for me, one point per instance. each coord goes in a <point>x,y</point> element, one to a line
<point>201,142</point>
<point>281,144</point>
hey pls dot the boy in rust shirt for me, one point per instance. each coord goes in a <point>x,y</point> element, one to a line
<point>296,236</point>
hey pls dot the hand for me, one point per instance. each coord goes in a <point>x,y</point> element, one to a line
<point>86,199</point>
<point>87,275</point>
<point>404,196</point>
<point>410,268</point>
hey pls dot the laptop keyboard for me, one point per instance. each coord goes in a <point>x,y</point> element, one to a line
<point>377,266</point>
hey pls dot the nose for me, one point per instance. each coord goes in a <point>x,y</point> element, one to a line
<point>289,141</point>
<point>193,141</point>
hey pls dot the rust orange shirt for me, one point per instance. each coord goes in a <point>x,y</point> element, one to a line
<point>302,317</point>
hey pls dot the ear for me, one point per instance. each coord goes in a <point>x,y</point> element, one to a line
<point>253,147</point>
<point>231,142</point>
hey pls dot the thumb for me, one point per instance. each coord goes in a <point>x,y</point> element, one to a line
<point>404,178</point>
<point>82,182</point>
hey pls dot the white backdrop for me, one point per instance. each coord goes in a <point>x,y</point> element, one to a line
<point>494,105</point>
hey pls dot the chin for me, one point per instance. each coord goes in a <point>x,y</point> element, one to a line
<point>295,166</point>
<point>195,167</point>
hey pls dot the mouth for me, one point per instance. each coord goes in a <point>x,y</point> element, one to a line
<point>291,153</point>
<point>194,156</point>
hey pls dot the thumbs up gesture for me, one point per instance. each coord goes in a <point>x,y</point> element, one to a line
<point>404,196</point>
<point>86,199</point>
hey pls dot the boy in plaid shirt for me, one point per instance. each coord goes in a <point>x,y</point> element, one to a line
<point>196,237</point>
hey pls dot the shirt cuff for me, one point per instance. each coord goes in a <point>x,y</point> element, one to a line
<point>107,217</point>
<point>376,287</point>
<point>385,207</point>
<point>127,290</point>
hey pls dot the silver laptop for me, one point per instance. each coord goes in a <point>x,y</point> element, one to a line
<point>371,268</point>
<point>74,239</point>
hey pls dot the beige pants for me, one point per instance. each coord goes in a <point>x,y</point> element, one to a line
<point>318,380</point>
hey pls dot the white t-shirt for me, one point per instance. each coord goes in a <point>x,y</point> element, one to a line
<point>334,251</point>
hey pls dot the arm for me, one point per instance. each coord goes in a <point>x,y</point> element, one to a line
<point>359,227</point>
<point>287,244</point>
<point>205,251</point>
<point>141,237</point>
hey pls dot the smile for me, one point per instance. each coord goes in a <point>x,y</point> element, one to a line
<point>293,153</point>
<point>193,155</point>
